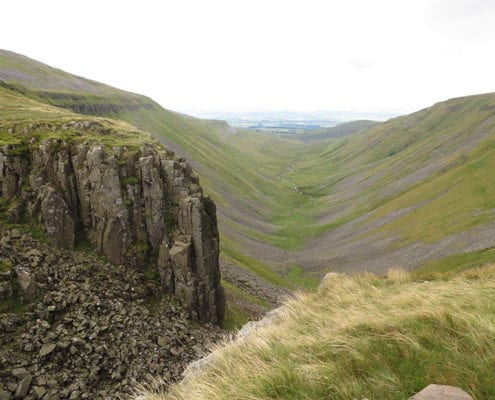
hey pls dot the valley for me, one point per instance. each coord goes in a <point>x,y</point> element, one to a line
<point>412,193</point>
<point>381,195</point>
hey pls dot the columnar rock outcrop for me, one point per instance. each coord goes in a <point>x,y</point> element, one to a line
<point>136,206</point>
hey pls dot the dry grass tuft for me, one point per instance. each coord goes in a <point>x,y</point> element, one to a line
<point>362,337</point>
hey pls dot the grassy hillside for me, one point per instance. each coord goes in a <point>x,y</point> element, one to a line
<point>430,167</point>
<point>15,107</point>
<point>362,337</point>
<point>416,180</point>
<point>58,87</point>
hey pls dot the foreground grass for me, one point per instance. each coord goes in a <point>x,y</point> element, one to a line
<point>363,337</point>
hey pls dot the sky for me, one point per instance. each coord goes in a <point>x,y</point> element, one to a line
<point>234,55</point>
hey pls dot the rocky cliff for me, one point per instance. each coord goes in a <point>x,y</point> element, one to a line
<point>134,202</point>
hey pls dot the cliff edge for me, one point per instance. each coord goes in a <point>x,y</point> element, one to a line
<point>130,198</point>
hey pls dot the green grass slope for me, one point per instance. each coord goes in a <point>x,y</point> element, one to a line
<point>418,178</point>
<point>59,88</point>
<point>422,178</point>
<point>15,107</point>
<point>361,337</point>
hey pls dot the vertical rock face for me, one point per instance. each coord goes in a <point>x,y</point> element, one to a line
<point>104,217</point>
<point>135,206</point>
<point>55,216</point>
<point>190,267</point>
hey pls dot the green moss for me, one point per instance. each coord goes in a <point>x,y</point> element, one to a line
<point>151,273</point>
<point>128,202</point>
<point>19,150</point>
<point>36,232</point>
<point>140,250</point>
<point>4,206</point>
<point>25,226</point>
<point>132,180</point>
<point>169,218</point>
<point>12,305</point>
<point>5,265</point>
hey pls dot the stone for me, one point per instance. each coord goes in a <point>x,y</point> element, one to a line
<point>75,395</point>
<point>253,326</point>
<point>39,391</point>
<point>105,217</point>
<point>164,267</point>
<point>197,222</point>
<point>47,349</point>
<point>56,218</point>
<point>130,205</point>
<point>4,395</point>
<point>6,275</point>
<point>329,278</point>
<point>153,198</point>
<point>27,284</point>
<point>23,387</point>
<point>441,392</point>
<point>19,373</point>
<point>15,234</point>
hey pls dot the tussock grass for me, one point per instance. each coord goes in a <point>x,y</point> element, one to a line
<point>362,337</point>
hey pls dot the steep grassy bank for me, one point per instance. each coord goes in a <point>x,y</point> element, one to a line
<point>362,337</point>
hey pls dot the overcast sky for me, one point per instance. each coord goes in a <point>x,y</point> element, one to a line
<point>265,54</point>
